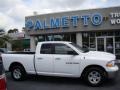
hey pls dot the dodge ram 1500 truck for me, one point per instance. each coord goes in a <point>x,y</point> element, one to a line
<point>60,58</point>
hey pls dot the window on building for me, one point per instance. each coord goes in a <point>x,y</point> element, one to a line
<point>117,44</point>
<point>85,39</point>
<point>66,37</point>
<point>41,38</point>
<point>89,40</point>
<point>117,33</point>
<point>58,37</point>
<point>49,38</point>
<point>92,34</point>
<point>73,38</point>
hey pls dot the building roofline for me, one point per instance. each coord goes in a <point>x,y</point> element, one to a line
<point>72,11</point>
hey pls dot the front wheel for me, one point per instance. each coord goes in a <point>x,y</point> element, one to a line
<point>18,73</point>
<point>95,76</point>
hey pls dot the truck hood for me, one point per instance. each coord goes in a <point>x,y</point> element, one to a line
<point>98,55</point>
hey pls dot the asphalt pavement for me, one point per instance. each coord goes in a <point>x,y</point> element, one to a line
<point>57,83</point>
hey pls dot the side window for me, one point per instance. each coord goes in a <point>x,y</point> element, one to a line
<point>1,51</point>
<point>64,49</point>
<point>1,68</point>
<point>46,49</point>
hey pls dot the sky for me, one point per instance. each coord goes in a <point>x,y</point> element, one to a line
<point>13,12</point>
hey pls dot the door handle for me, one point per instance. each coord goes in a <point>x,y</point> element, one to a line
<point>39,58</point>
<point>57,58</point>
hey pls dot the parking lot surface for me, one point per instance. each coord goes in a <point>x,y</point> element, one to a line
<point>56,83</point>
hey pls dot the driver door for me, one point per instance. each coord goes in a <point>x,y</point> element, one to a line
<point>66,62</point>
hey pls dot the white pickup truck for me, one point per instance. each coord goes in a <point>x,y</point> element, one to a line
<point>65,59</point>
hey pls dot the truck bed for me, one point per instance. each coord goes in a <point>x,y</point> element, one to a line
<point>24,58</point>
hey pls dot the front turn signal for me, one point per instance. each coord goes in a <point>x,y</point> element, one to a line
<point>110,64</point>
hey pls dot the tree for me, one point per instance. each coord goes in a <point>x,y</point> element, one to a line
<point>4,38</point>
<point>10,31</point>
<point>13,30</point>
<point>2,31</point>
<point>17,45</point>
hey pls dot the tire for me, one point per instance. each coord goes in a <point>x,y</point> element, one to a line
<point>18,73</point>
<point>95,76</point>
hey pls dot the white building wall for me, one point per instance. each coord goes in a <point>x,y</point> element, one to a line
<point>79,39</point>
<point>9,46</point>
<point>32,44</point>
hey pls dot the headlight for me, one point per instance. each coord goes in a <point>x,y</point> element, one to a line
<point>111,63</point>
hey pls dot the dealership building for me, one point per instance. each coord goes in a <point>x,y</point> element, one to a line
<point>98,29</point>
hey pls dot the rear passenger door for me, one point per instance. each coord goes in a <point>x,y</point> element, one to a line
<point>44,60</point>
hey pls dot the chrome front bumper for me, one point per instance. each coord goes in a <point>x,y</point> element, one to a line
<point>113,73</point>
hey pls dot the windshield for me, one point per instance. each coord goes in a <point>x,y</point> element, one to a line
<point>80,48</point>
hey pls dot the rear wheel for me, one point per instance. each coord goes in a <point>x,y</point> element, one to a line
<point>95,76</point>
<point>18,73</point>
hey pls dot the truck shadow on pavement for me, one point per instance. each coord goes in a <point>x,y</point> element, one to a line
<point>61,81</point>
<point>67,81</point>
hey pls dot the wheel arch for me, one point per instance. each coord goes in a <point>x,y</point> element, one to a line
<point>15,64</point>
<point>92,66</point>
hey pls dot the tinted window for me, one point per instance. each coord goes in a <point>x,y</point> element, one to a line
<point>63,49</point>
<point>46,49</point>
<point>1,68</point>
<point>80,48</point>
<point>1,51</point>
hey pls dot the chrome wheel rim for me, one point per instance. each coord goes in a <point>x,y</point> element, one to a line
<point>94,77</point>
<point>17,74</point>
